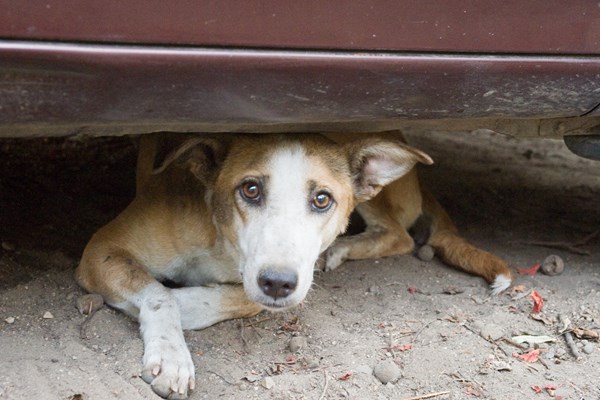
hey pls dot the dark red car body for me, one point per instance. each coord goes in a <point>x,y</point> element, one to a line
<point>119,67</point>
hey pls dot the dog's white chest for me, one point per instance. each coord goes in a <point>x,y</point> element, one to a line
<point>202,268</point>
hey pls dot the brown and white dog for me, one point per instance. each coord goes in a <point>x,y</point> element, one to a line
<point>229,209</point>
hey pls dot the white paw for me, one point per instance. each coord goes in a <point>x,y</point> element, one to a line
<point>336,255</point>
<point>168,368</point>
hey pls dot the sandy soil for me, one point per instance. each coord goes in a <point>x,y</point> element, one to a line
<point>438,326</point>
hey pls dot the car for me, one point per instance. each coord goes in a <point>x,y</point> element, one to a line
<point>526,68</point>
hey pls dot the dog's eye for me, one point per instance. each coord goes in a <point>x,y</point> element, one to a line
<point>250,191</point>
<point>322,201</point>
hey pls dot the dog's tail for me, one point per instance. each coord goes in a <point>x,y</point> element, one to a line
<point>457,252</point>
<point>145,161</point>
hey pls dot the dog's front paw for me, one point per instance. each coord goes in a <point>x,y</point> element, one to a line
<point>169,369</point>
<point>336,255</point>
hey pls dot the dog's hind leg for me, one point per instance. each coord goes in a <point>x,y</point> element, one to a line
<point>458,252</point>
<point>373,243</point>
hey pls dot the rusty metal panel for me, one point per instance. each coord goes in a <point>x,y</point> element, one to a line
<point>89,85</point>
<point>488,26</point>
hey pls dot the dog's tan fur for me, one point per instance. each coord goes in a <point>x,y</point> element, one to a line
<point>189,223</point>
<point>391,214</point>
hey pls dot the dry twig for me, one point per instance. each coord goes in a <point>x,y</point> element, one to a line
<point>421,329</point>
<point>86,322</point>
<point>569,339</point>
<point>427,396</point>
<point>572,247</point>
<point>242,333</point>
<point>513,343</point>
<point>325,385</point>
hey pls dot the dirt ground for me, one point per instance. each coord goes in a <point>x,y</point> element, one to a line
<point>446,336</point>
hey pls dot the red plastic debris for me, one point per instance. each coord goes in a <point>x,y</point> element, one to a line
<point>345,377</point>
<point>538,302</point>
<point>412,290</point>
<point>529,357</point>
<point>536,389</point>
<point>400,347</point>
<point>291,359</point>
<point>529,271</point>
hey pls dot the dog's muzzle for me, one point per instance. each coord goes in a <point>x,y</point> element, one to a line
<point>277,284</point>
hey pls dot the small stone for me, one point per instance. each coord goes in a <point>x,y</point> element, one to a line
<point>8,246</point>
<point>10,320</point>
<point>425,253</point>
<point>375,290</point>
<point>364,369</point>
<point>502,366</point>
<point>588,348</point>
<point>60,260</point>
<point>549,354</point>
<point>312,363</point>
<point>477,326</point>
<point>89,303</point>
<point>296,343</point>
<point>48,315</point>
<point>268,383</point>
<point>491,332</point>
<point>387,371</point>
<point>553,265</point>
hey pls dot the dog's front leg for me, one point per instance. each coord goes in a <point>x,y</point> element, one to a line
<point>167,363</point>
<point>204,306</point>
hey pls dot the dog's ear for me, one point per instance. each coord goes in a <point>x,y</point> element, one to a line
<point>375,163</point>
<point>201,155</point>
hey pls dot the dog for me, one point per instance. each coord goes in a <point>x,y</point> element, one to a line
<point>239,221</point>
<point>404,207</point>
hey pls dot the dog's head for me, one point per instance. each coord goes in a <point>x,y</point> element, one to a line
<point>280,200</point>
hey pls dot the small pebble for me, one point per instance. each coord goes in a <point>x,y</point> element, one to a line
<point>425,253</point>
<point>61,260</point>
<point>296,343</point>
<point>588,348</point>
<point>312,363</point>
<point>267,383</point>
<point>553,265</point>
<point>375,290</point>
<point>10,320</point>
<point>478,326</point>
<point>48,315</point>
<point>364,369</point>
<point>387,371</point>
<point>491,332</point>
<point>502,366</point>
<point>95,301</point>
<point>549,354</point>
<point>8,246</point>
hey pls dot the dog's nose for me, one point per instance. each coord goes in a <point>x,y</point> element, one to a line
<point>277,284</point>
